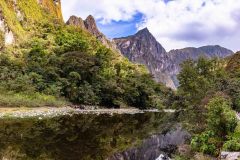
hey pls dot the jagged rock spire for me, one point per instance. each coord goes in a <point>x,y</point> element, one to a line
<point>90,25</point>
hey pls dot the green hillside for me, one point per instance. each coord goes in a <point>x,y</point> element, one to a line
<point>51,62</point>
<point>21,16</point>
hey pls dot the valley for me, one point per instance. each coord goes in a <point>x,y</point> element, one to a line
<point>67,91</point>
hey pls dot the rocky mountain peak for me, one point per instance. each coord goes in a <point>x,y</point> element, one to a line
<point>143,31</point>
<point>91,26</point>
<point>76,21</point>
<point>143,48</point>
<point>143,42</point>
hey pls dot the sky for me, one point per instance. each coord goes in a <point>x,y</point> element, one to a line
<point>175,23</point>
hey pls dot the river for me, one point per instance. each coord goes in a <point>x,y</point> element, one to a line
<point>90,137</point>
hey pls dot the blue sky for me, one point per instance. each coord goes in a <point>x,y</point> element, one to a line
<point>117,29</point>
<point>174,23</point>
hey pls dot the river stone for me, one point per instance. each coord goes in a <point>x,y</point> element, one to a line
<point>230,155</point>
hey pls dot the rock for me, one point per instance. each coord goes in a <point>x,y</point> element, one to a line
<point>90,25</point>
<point>179,55</point>
<point>238,116</point>
<point>9,37</point>
<point>143,48</point>
<point>76,21</point>
<point>163,157</point>
<point>230,155</point>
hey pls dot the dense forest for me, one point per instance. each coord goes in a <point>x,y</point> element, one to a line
<point>68,63</point>
<point>209,94</point>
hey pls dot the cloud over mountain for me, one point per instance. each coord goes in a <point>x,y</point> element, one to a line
<point>176,23</point>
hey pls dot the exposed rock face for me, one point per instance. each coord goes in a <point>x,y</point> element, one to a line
<point>180,55</point>
<point>143,48</point>
<point>155,147</point>
<point>76,21</point>
<point>90,25</point>
<point>8,37</point>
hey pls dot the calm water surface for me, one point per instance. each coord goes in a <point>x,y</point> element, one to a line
<point>78,137</point>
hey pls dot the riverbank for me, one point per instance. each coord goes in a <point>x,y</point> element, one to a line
<point>44,112</point>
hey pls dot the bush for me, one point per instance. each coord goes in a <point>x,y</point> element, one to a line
<point>205,143</point>
<point>232,145</point>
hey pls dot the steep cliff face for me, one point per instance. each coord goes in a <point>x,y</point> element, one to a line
<point>143,48</point>
<point>17,17</point>
<point>90,25</point>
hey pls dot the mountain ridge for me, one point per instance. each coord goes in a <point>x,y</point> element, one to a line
<point>166,65</point>
<point>143,48</point>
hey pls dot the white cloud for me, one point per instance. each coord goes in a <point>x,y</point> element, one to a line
<point>176,24</point>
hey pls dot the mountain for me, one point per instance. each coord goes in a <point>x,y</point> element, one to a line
<point>143,48</point>
<point>180,55</point>
<point>89,24</point>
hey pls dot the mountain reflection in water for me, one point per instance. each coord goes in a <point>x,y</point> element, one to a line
<point>79,137</point>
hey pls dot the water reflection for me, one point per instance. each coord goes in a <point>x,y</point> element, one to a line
<point>78,137</point>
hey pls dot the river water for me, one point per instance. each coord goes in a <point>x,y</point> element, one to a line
<point>89,137</point>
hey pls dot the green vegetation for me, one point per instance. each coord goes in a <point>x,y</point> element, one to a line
<point>53,65</point>
<point>209,94</point>
<point>233,143</point>
<point>32,100</point>
<point>221,122</point>
<point>68,63</point>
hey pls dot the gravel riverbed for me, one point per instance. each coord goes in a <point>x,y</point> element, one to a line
<point>45,112</point>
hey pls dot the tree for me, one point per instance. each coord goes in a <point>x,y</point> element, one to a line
<point>221,122</point>
<point>221,118</point>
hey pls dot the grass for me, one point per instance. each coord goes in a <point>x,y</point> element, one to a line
<point>34,100</point>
